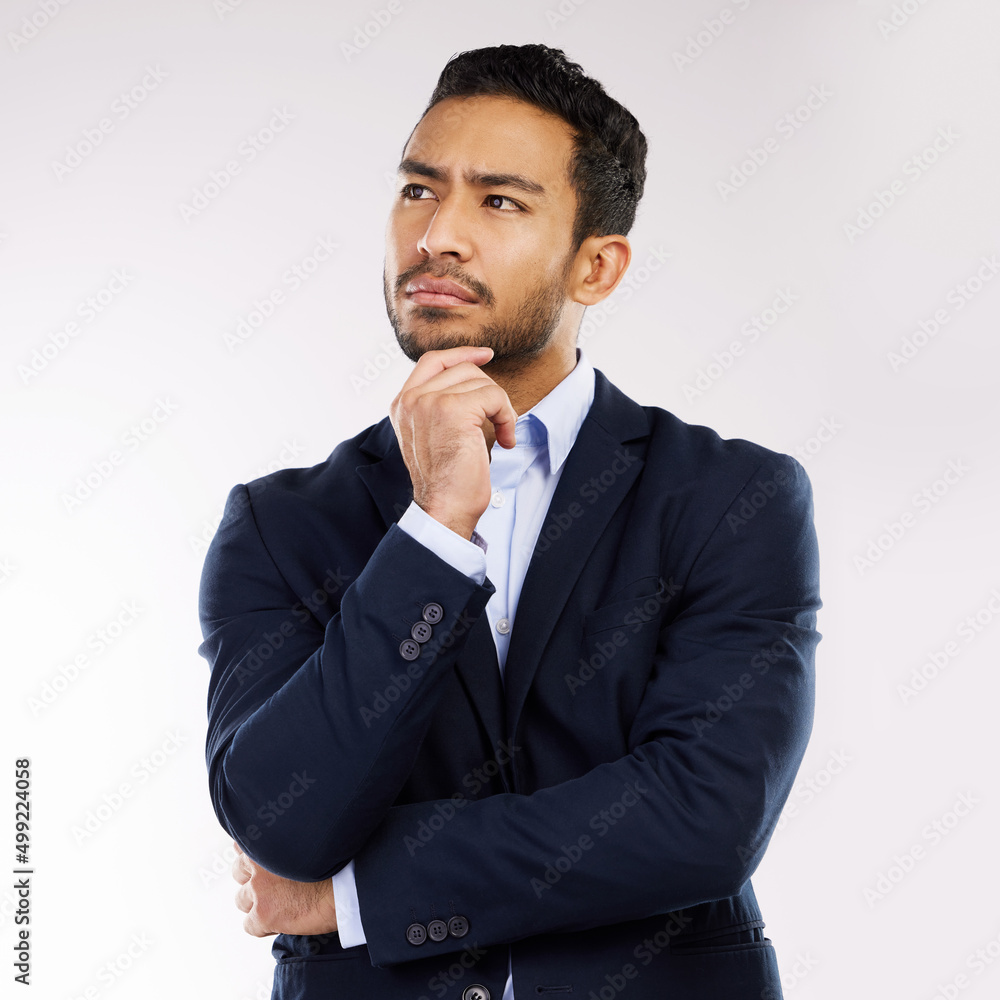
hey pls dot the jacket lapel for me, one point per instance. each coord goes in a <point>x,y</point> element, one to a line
<point>599,454</point>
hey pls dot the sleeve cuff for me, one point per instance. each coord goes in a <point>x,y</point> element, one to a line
<point>467,556</point>
<point>345,898</point>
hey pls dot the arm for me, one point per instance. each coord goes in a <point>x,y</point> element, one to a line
<point>305,752</point>
<point>685,816</point>
<point>334,717</point>
<point>470,557</point>
<point>277,905</point>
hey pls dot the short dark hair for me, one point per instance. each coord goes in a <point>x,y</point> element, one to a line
<point>608,165</point>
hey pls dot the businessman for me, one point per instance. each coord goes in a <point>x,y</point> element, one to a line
<point>507,695</point>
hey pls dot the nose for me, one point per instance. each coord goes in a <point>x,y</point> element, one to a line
<point>448,234</point>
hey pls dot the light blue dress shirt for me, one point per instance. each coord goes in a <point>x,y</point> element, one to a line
<point>523,480</point>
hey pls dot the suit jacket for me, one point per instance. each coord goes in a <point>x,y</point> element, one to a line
<point>599,811</point>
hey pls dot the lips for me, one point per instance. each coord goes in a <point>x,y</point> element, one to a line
<point>429,291</point>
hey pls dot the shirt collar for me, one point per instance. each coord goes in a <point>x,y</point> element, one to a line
<point>557,417</point>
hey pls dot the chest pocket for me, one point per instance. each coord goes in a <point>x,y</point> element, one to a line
<point>635,614</point>
<point>618,644</point>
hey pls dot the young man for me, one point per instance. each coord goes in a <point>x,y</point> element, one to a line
<point>507,695</point>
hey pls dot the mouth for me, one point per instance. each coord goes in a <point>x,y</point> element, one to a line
<point>427,291</point>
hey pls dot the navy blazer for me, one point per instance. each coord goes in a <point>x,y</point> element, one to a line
<point>599,812</point>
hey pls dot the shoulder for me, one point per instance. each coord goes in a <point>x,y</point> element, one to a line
<point>334,476</point>
<point>307,522</point>
<point>294,505</point>
<point>690,453</point>
<point>705,454</point>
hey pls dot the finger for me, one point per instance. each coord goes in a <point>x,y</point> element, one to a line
<point>462,376</point>
<point>438,382</point>
<point>451,383</point>
<point>239,850</point>
<point>241,869</point>
<point>453,386</point>
<point>244,899</point>
<point>252,925</point>
<point>503,420</point>
<point>431,363</point>
<point>496,407</point>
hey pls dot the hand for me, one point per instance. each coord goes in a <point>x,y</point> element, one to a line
<point>445,418</point>
<point>275,905</point>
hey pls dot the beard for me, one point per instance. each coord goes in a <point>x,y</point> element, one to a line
<point>516,339</point>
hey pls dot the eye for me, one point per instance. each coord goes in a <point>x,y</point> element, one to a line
<point>416,192</point>
<point>498,200</point>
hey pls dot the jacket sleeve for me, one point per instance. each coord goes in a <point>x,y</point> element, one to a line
<point>685,816</point>
<point>313,731</point>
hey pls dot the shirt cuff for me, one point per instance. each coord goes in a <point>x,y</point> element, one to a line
<point>345,898</point>
<point>467,556</point>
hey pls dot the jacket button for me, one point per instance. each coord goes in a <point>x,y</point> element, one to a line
<point>476,992</point>
<point>421,631</point>
<point>433,613</point>
<point>437,930</point>
<point>416,934</point>
<point>409,649</point>
<point>458,926</point>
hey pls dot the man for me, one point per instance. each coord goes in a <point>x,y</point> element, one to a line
<point>507,695</point>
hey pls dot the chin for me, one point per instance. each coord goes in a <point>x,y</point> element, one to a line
<point>415,343</point>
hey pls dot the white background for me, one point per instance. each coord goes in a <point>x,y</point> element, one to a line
<point>147,877</point>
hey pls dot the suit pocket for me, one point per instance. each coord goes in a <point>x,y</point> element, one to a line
<point>630,614</point>
<point>617,652</point>
<point>737,972</point>
<point>335,976</point>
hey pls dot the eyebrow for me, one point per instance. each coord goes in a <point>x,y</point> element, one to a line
<point>517,181</point>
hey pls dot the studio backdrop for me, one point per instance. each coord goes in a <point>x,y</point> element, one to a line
<point>192,207</point>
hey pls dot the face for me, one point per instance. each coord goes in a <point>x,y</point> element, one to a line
<point>478,244</point>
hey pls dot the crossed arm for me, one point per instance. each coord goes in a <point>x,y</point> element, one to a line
<point>708,782</point>
<point>714,744</point>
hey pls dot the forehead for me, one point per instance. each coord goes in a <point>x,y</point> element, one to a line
<point>494,135</point>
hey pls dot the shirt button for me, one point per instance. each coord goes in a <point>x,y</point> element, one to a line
<point>498,499</point>
<point>503,626</point>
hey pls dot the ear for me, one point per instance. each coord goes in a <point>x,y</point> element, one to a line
<point>601,262</point>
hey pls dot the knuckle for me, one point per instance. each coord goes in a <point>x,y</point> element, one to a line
<point>424,404</point>
<point>410,398</point>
